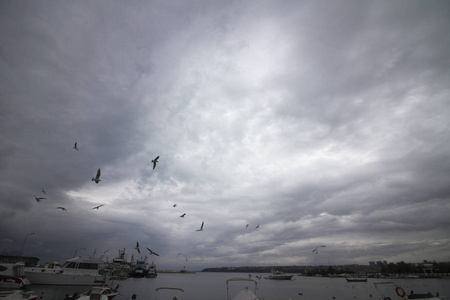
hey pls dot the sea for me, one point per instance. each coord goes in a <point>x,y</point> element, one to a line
<point>212,286</point>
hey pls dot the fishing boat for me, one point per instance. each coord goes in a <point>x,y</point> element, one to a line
<point>178,293</point>
<point>12,275</point>
<point>17,295</point>
<point>98,293</point>
<point>140,269</point>
<point>278,275</point>
<point>151,271</point>
<point>244,294</point>
<point>76,271</point>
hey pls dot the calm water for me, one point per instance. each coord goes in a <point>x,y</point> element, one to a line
<point>205,286</point>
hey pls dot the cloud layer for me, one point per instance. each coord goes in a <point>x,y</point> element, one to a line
<point>323,123</point>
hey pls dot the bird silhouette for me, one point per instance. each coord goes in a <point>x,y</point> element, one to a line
<point>137,248</point>
<point>43,191</point>
<point>97,207</point>
<point>175,205</point>
<point>151,252</point>
<point>38,199</point>
<point>97,177</point>
<point>201,227</point>
<point>257,227</point>
<point>247,226</point>
<point>182,216</point>
<point>75,146</point>
<point>61,208</point>
<point>316,250</point>
<point>154,161</point>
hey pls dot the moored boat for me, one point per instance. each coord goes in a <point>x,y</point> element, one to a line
<point>17,295</point>
<point>356,279</point>
<point>98,293</point>
<point>12,275</point>
<point>76,271</point>
<point>277,275</point>
<point>391,289</point>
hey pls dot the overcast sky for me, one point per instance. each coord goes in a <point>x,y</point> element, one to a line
<point>323,122</point>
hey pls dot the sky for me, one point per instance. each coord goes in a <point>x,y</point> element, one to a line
<point>325,123</point>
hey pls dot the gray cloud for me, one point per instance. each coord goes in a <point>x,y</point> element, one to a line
<point>324,123</point>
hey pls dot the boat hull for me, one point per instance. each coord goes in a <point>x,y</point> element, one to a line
<point>55,278</point>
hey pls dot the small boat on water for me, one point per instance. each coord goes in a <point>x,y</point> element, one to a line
<point>244,294</point>
<point>151,271</point>
<point>98,293</point>
<point>76,271</point>
<point>356,279</point>
<point>12,275</point>
<point>277,275</point>
<point>176,293</point>
<point>17,295</point>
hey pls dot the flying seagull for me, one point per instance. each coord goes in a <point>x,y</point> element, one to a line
<point>257,227</point>
<point>175,205</point>
<point>137,248</point>
<point>247,226</point>
<point>38,199</point>
<point>43,191</point>
<point>201,227</point>
<point>151,252</point>
<point>97,178</point>
<point>97,207</point>
<point>182,216</point>
<point>316,250</point>
<point>154,161</point>
<point>75,146</point>
<point>61,208</point>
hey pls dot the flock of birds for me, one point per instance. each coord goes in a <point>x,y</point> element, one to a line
<point>154,161</point>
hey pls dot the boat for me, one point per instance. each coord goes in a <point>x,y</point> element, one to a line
<point>244,294</point>
<point>356,279</point>
<point>17,295</point>
<point>98,293</point>
<point>140,269</point>
<point>390,290</point>
<point>75,271</point>
<point>12,275</point>
<point>278,275</point>
<point>178,293</point>
<point>151,271</point>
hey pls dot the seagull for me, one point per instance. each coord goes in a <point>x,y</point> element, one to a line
<point>61,208</point>
<point>182,216</point>
<point>201,227</point>
<point>97,178</point>
<point>38,199</point>
<point>175,205</point>
<point>151,252</point>
<point>43,191</point>
<point>154,161</point>
<point>256,227</point>
<point>316,250</point>
<point>137,248</point>
<point>97,207</point>
<point>75,146</point>
<point>247,226</point>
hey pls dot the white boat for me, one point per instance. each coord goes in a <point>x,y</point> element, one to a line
<point>12,275</point>
<point>244,294</point>
<point>75,271</point>
<point>390,290</point>
<point>98,293</point>
<point>277,275</point>
<point>17,295</point>
<point>176,293</point>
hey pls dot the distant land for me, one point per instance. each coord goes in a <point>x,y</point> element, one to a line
<point>392,268</point>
